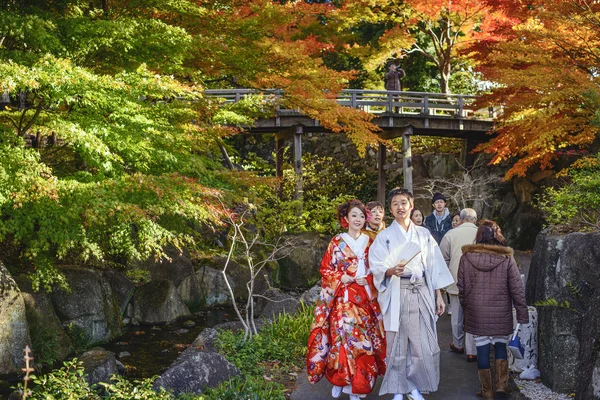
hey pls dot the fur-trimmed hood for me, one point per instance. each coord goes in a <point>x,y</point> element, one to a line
<point>488,249</point>
<point>485,257</point>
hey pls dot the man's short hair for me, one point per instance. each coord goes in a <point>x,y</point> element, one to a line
<point>373,204</point>
<point>468,215</point>
<point>397,191</point>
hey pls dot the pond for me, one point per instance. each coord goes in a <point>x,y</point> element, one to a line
<point>151,348</point>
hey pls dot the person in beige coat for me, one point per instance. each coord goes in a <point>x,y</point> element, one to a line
<point>451,247</point>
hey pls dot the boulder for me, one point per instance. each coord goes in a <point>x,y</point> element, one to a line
<point>311,296</point>
<point>441,165</point>
<point>178,268</point>
<point>122,287</point>
<point>91,305</point>
<point>50,342</point>
<point>522,228</point>
<point>206,339</point>
<point>99,365</point>
<point>213,287</point>
<point>14,332</point>
<point>299,264</point>
<point>158,302</point>
<point>277,303</point>
<point>564,269</point>
<point>196,370</point>
<point>238,275</point>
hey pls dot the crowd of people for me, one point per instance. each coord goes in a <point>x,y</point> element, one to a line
<point>382,294</point>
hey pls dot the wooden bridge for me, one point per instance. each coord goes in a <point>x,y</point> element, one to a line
<point>397,113</point>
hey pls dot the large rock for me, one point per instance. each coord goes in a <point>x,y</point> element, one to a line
<point>14,332</point>
<point>566,269</point>
<point>91,306</point>
<point>276,302</point>
<point>213,287</point>
<point>99,365</point>
<point>178,269</point>
<point>299,266</point>
<point>522,228</point>
<point>311,296</point>
<point>238,275</point>
<point>158,302</point>
<point>122,288</point>
<point>196,370</point>
<point>50,342</point>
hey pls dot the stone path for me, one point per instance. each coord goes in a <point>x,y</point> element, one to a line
<point>458,381</point>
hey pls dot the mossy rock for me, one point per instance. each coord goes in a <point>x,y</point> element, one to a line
<point>158,302</point>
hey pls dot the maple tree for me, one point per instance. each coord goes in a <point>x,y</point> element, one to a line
<point>106,141</point>
<point>440,31</point>
<point>548,79</point>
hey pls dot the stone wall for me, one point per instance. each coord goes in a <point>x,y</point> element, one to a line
<point>566,269</point>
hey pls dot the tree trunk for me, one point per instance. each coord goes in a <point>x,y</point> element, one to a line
<point>445,81</point>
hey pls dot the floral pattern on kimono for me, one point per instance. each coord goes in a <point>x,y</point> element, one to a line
<point>347,339</point>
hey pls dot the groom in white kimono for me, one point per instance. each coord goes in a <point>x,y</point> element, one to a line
<point>409,271</point>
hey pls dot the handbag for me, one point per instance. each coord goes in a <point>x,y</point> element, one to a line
<point>515,346</point>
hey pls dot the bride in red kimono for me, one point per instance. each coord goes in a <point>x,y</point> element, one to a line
<point>347,339</point>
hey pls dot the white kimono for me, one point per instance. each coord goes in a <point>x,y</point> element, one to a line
<point>436,273</point>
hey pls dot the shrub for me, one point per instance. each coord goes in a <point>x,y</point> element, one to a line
<point>575,204</point>
<point>284,340</point>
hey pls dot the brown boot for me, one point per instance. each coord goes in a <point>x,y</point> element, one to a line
<point>485,377</point>
<point>502,376</point>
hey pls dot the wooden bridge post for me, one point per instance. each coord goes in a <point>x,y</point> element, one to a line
<point>298,160</point>
<point>381,174</point>
<point>279,149</point>
<point>407,159</point>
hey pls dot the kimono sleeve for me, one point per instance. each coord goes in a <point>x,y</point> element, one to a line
<point>377,254</point>
<point>330,272</point>
<point>440,274</point>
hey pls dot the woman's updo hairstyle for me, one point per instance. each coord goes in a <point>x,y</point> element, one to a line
<point>489,233</point>
<point>344,210</point>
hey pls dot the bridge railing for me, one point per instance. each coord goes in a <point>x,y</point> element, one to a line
<point>384,101</point>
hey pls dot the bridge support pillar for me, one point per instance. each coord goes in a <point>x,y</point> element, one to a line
<point>298,160</point>
<point>407,159</point>
<point>381,174</point>
<point>468,146</point>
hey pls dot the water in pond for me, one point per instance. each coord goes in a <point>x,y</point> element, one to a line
<point>151,348</point>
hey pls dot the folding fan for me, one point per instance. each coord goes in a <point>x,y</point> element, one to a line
<point>406,251</point>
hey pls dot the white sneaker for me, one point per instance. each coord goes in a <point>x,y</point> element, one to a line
<point>354,397</point>
<point>416,395</point>
<point>336,391</point>
<point>399,396</point>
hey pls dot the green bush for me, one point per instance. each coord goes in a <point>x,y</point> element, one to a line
<point>243,388</point>
<point>575,204</point>
<point>284,340</point>
<point>66,383</point>
<point>122,389</point>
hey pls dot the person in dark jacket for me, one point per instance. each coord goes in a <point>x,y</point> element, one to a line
<point>489,284</point>
<point>440,220</point>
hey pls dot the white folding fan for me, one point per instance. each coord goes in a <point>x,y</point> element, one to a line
<point>406,251</point>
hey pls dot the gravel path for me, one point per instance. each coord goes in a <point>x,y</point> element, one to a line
<point>535,390</point>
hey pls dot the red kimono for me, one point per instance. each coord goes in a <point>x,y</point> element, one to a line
<point>347,339</point>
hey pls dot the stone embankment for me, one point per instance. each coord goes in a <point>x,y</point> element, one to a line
<point>564,284</point>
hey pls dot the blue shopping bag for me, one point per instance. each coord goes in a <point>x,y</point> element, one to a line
<point>515,346</point>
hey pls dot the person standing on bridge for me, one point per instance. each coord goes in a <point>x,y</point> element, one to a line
<point>410,299</point>
<point>347,339</point>
<point>392,81</point>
